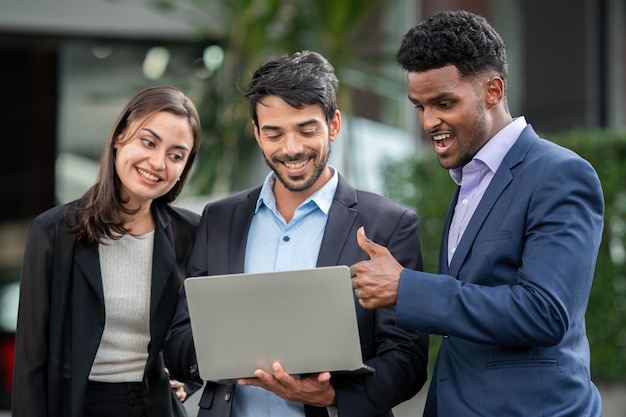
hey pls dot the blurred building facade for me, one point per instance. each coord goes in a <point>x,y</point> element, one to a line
<point>68,65</point>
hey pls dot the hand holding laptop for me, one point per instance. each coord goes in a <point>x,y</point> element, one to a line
<point>245,323</point>
<point>311,389</point>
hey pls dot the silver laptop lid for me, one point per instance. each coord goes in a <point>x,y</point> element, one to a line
<point>304,319</point>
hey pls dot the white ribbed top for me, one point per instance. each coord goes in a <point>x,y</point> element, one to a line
<point>126,266</point>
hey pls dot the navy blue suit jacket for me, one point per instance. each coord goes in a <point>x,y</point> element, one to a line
<point>512,302</point>
<point>399,357</point>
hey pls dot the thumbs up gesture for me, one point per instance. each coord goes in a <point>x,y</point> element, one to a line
<point>375,281</point>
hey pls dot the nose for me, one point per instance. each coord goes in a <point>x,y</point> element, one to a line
<point>429,119</point>
<point>157,160</point>
<point>292,145</point>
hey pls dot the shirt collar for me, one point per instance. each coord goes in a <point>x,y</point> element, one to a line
<point>323,197</point>
<point>494,151</point>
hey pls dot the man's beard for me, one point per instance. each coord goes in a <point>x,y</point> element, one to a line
<point>293,183</point>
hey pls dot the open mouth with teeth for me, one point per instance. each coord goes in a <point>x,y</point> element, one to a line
<point>296,165</point>
<point>442,141</point>
<point>148,176</point>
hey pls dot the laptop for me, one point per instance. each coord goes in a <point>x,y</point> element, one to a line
<point>304,319</point>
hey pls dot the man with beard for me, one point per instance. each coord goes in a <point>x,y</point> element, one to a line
<point>305,215</point>
<point>519,246</point>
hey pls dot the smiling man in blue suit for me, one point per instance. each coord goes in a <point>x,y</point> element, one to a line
<point>519,247</point>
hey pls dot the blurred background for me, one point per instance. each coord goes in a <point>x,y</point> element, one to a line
<point>68,67</point>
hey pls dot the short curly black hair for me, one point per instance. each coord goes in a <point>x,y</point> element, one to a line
<point>458,38</point>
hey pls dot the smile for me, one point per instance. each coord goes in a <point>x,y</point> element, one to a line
<point>295,165</point>
<point>441,141</point>
<point>147,175</point>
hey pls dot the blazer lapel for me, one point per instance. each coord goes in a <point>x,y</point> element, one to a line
<point>88,262</point>
<point>500,181</point>
<point>163,259</point>
<point>163,263</point>
<point>443,249</point>
<point>339,225</point>
<point>238,231</point>
<point>87,297</point>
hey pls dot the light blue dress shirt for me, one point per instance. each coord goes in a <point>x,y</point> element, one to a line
<point>275,245</point>
<point>475,177</point>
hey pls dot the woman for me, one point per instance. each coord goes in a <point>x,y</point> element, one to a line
<point>101,275</point>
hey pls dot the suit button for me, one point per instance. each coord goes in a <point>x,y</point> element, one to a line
<point>227,396</point>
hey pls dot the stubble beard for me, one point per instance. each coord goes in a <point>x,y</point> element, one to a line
<point>466,155</point>
<point>294,183</point>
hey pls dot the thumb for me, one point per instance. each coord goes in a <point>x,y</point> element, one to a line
<point>370,247</point>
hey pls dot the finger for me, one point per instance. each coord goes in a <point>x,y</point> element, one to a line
<point>367,303</point>
<point>262,375</point>
<point>355,285</point>
<point>281,375</point>
<point>353,270</point>
<point>370,247</point>
<point>278,370</point>
<point>248,381</point>
<point>323,377</point>
<point>257,380</point>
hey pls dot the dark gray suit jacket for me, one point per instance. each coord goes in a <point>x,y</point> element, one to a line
<point>399,357</point>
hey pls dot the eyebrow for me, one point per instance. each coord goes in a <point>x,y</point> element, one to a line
<point>441,96</point>
<point>436,98</point>
<point>157,137</point>
<point>301,124</point>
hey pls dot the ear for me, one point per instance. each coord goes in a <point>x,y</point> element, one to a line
<point>119,140</point>
<point>494,91</point>
<point>335,126</point>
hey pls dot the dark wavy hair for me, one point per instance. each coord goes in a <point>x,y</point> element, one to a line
<point>100,209</point>
<point>303,78</point>
<point>457,38</point>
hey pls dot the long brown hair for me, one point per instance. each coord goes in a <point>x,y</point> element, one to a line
<point>101,206</point>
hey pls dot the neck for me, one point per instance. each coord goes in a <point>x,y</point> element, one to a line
<point>141,222</point>
<point>502,119</point>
